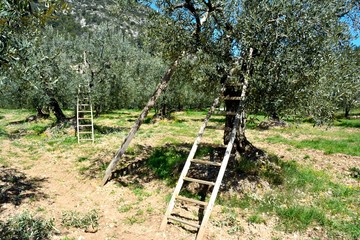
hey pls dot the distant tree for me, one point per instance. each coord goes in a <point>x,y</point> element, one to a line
<point>348,88</point>
<point>44,80</point>
<point>19,18</point>
<point>120,74</point>
<point>340,83</point>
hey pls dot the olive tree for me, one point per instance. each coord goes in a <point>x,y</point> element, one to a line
<point>274,48</point>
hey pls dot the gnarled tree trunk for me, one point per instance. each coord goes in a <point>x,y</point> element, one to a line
<point>56,109</point>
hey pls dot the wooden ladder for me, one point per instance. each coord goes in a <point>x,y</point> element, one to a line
<point>208,206</point>
<point>84,115</point>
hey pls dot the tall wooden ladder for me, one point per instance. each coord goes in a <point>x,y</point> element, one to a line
<point>207,206</point>
<point>84,115</point>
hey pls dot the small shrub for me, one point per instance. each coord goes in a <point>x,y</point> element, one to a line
<point>78,220</point>
<point>125,208</point>
<point>25,226</point>
<point>355,172</point>
<point>256,219</point>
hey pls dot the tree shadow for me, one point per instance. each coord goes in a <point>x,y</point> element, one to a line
<point>15,187</point>
<point>106,129</point>
<point>166,163</point>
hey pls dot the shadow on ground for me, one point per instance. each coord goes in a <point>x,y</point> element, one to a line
<point>15,187</point>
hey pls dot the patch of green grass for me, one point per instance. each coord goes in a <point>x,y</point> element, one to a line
<point>68,238</point>
<point>131,220</point>
<point>298,217</point>
<point>165,160</point>
<point>140,193</point>
<point>39,128</point>
<point>3,133</point>
<point>349,123</point>
<point>266,171</point>
<point>306,198</point>
<point>125,208</point>
<point>235,201</point>
<point>256,218</point>
<point>347,145</point>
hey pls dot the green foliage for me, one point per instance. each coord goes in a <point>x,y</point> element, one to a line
<point>79,220</point>
<point>26,226</point>
<point>19,19</point>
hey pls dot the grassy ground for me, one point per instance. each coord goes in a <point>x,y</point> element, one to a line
<point>314,194</point>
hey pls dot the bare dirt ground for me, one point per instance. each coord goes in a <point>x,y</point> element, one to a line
<point>50,181</point>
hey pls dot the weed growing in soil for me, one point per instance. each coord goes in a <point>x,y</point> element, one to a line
<point>125,208</point>
<point>79,220</point>
<point>26,226</point>
<point>256,218</point>
<point>230,221</point>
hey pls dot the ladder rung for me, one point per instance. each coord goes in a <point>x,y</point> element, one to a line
<point>216,127</point>
<point>226,113</point>
<point>84,104</point>
<point>185,222</point>
<point>181,198</point>
<point>83,111</point>
<point>85,139</point>
<point>232,98</point>
<point>85,132</point>
<point>84,118</point>
<point>199,181</point>
<point>206,162</point>
<point>89,125</point>
<point>233,84</point>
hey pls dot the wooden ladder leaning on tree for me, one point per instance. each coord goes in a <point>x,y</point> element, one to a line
<point>84,115</point>
<point>160,88</point>
<point>204,205</point>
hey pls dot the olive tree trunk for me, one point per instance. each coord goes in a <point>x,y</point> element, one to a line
<point>242,145</point>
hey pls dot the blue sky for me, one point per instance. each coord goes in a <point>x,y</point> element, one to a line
<point>356,42</point>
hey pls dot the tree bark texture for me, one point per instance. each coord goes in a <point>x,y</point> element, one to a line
<point>160,88</point>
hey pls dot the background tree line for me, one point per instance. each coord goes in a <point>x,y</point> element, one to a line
<point>127,49</point>
<point>123,70</point>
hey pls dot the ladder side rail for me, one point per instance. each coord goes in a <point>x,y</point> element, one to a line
<point>188,163</point>
<point>77,120</point>
<point>220,176</point>
<point>218,179</point>
<point>91,116</point>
